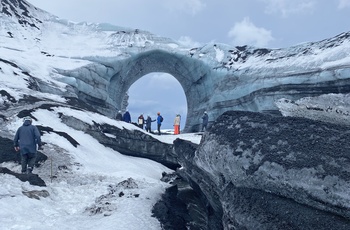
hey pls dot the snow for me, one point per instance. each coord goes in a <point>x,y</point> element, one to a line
<point>220,54</point>
<point>93,168</point>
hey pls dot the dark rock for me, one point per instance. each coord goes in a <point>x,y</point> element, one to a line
<point>36,194</point>
<point>263,172</point>
<point>33,179</point>
<point>128,142</point>
<point>173,212</point>
<point>195,176</point>
<point>62,134</point>
<point>8,153</point>
<point>135,143</point>
<point>182,207</point>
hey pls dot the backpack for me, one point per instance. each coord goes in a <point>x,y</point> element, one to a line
<point>161,119</point>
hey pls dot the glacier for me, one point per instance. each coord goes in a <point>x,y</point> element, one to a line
<point>252,166</point>
<point>217,78</point>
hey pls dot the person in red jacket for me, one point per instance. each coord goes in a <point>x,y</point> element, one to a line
<point>177,122</point>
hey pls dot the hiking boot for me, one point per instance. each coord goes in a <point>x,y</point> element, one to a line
<point>29,170</point>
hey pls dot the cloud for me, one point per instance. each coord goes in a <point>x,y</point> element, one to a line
<point>189,6</point>
<point>288,7</point>
<point>167,81</point>
<point>188,42</point>
<point>343,4</point>
<point>246,33</point>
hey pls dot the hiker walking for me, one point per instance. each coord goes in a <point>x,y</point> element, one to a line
<point>177,122</point>
<point>26,140</point>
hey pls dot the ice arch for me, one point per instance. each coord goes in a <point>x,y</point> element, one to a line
<point>193,75</point>
<point>216,78</point>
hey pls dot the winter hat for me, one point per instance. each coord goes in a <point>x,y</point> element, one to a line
<point>27,119</point>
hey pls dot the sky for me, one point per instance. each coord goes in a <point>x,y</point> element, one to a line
<point>261,23</point>
<point>158,92</point>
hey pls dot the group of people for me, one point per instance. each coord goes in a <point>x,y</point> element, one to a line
<point>141,121</point>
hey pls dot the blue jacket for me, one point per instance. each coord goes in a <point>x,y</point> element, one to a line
<point>27,137</point>
<point>159,122</point>
<point>127,117</point>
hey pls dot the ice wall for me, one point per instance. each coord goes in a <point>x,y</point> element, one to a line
<point>217,78</point>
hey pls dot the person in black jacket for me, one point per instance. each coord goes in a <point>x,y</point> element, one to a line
<point>26,140</point>
<point>119,116</point>
<point>205,119</point>
<point>148,124</point>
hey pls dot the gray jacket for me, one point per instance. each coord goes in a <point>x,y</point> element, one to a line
<point>27,137</point>
<point>205,119</point>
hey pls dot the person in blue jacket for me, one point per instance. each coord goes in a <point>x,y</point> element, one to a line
<point>26,141</point>
<point>159,122</point>
<point>127,117</point>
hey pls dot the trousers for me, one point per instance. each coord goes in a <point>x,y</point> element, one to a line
<point>27,160</point>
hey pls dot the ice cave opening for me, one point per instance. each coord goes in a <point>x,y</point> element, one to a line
<point>158,92</point>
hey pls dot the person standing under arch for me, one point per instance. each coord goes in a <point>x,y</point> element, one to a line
<point>141,121</point>
<point>127,117</point>
<point>159,122</point>
<point>149,123</point>
<point>119,116</point>
<point>177,122</point>
<point>205,119</point>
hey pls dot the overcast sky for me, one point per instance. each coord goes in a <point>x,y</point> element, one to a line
<point>261,23</point>
<point>264,23</point>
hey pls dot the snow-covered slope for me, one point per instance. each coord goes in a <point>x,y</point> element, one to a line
<point>23,26</point>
